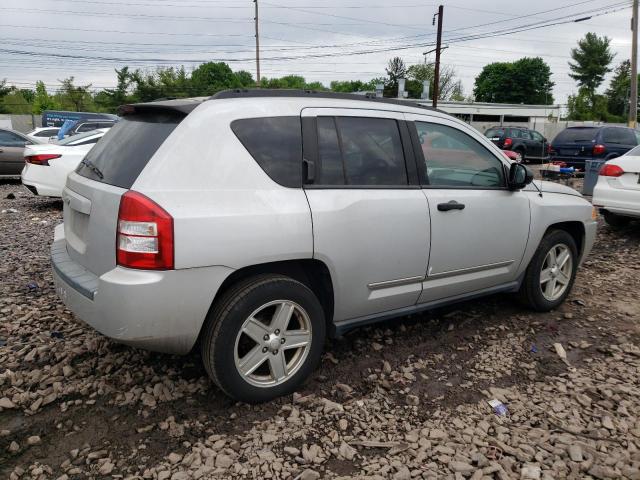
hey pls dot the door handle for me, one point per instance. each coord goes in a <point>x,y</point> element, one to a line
<point>451,205</point>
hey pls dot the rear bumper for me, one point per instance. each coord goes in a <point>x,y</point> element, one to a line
<point>616,200</point>
<point>43,180</point>
<point>576,162</point>
<point>155,310</point>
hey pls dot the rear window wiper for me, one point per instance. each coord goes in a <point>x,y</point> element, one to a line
<point>92,167</point>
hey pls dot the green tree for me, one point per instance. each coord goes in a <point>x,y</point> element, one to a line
<point>591,60</point>
<point>450,86</point>
<point>396,69</point>
<point>619,89</point>
<point>42,100</point>
<point>74,97</point>
<point>14,102</point>
<point>211,77</point>
<point>527,81</point>
<point>169,82</point>
<point>585,106</point>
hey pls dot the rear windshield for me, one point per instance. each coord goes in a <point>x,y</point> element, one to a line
<point>127,148</point>
<point>576,135</point>
<point>494,132</point>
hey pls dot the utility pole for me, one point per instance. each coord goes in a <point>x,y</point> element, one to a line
<point>257,47</point>
<point>633,108</point>
<point>436,73</point>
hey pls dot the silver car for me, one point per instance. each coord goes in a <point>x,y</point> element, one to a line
<point>259,222</point>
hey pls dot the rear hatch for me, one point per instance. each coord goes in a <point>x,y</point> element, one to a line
<point>496,135</point>
<point>92,193</point>
<point>575,142</point>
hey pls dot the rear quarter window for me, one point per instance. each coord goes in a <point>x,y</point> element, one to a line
<point>275,143</point>
<point>127,148</point>
<point>494,132</point>
<point>622,136</point>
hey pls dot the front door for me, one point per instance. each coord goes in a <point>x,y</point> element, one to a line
<point>370,217</point>
<point>479,229</point>
<point>11,153</point>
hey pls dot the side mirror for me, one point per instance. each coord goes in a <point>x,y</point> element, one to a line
<point>519,176</point>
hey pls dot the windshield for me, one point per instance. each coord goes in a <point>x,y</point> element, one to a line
<point>576,135</point>
<point>77,138</point>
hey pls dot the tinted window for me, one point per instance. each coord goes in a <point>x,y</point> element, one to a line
<point>494,132</point>
<point>454,159</point>
<point>276,144</point>
<point>46,133</point>
<point>576,135</point>
<point>10,139</point>
<point>371,151</point>
<point>105,124</point>
<point>525,134</point>
<point>515,133</point>
<point>330,167</point>
<point>624,136</point>
<point>128,147</point>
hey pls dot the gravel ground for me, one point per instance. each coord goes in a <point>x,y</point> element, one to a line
<point>404,399</point>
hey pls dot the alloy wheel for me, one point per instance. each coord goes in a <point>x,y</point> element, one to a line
<point>556,272</point>
<point>273,343</point>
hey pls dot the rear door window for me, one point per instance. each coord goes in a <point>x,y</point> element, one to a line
<point>128,147</point>
<point>360,152</point>
<point>622,136</point>
<point>275,143</point>
<point>10,139</point>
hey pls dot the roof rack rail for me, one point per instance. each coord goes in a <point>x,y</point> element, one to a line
<point>266,92</point>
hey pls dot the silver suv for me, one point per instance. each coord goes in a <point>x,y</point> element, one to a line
<point>255,223</point>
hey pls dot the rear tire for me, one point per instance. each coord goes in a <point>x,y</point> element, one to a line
<point>263,338</point>
<point>551,272</point>
<point>614,220</point>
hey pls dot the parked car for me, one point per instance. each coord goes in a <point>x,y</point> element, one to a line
<point>525,143</point>
<point>512,156</point>
<point>258,222</point>
<point>12,145</point>
<point>617,192</point>
<point>84,126</point>
<point>47,166</point>
<point>575,145</point>
<point>43,132</point>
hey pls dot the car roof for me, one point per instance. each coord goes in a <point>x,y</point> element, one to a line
<point>187,105</point>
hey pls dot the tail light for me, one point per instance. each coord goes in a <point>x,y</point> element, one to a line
<point>507,143</point>
<point>598,149</point>
<point>145,234</point>
<point>609,170</point>
<point>40,159</point>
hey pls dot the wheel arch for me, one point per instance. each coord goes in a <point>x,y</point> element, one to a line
<point>575,229</point>
<point>312,273</point>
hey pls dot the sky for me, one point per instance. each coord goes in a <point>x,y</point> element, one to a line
<point>332,40</point>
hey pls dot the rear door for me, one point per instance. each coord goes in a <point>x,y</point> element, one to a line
<point>539,144</point>
<point>370,217</point>
<point>11,153</point>
<point>92,193</point>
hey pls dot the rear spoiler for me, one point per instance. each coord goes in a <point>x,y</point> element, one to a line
<point>184,106</point>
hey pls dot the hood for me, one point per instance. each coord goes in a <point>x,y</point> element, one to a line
<point>552,187</point>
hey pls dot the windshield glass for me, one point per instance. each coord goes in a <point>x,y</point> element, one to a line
<point>77,138</point>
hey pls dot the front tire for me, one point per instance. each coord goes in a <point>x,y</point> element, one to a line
<point>263,338</point>
<point>551,272</point>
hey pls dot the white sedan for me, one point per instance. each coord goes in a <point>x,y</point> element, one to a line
<point>617,192</point>
<point>47,166</point>
<point>44,133</point>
